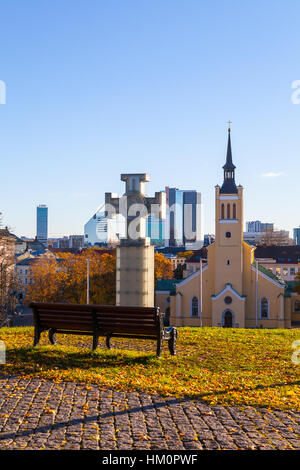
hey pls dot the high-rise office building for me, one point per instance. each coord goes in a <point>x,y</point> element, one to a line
<point>42,224</point>
<point>174,200</point>
<point>183,217</point>
<point>191,217</point>
<point>155,230</point>
<point>296,236</point>
<point>258,226</point>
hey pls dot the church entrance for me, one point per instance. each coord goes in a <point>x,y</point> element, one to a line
<point>227,319</point>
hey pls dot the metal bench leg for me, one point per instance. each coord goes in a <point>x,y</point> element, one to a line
<point>37,335</point>
<point>172,342</point>
<point>52,337</point>
<point>159,346</point>
<point>95,341</point>
<point>108,343</point>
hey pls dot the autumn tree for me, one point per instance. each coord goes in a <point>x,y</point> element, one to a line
<point>43,286</point>
<point>64,278</point>
<point>163,267</point>
<point>185,254</point>
<point>9,285</point>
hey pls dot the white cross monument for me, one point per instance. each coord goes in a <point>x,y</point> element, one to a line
<point>135,254</point>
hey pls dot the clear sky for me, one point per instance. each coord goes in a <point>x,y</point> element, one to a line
<point>95,88</point>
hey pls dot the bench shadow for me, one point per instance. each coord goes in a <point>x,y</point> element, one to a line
<point>50,357</point>
<point>165,402</point>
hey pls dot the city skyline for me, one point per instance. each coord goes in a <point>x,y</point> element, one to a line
<point>147,88</point>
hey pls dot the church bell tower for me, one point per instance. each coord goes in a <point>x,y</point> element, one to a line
<point>229,228</point>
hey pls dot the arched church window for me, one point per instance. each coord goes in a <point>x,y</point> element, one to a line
<point>234,211</point>
<point>297,306</point>
<point>194,312</point>
<point>264,308</point>
<point>228,211</point>
<point>222,211</point>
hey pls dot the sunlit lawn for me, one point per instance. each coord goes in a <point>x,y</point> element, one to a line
<point>219,366</point>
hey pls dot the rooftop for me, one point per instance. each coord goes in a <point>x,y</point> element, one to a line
<point>282,254</point>
<point>167,285</point>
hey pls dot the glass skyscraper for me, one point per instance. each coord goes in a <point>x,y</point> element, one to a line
<point>155,230</point>
<point>297,235</point>
<point>42,224</point>
<point>183,216</point>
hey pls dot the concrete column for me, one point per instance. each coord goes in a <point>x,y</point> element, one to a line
<point>135,275</point>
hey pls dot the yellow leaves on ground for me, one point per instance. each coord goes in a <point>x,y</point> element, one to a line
<point>220,366</point>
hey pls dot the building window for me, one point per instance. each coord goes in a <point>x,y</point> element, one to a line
<point>264,308</point>
<point>228,235</point>
<point>194,307</point>
<point>228,211</point>
<point>278,271</point>
<point>234,211</point>
<point>285,271</point>
<point>228,262</point>
<point>292,271</point>
<point>222,211</point>
<point>297,306</point>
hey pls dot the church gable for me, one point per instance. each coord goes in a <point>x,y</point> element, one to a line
<point>228,289</point>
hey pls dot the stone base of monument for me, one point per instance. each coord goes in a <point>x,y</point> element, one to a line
<point>135,273</point>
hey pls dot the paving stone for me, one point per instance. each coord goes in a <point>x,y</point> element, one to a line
<point>40,414</point>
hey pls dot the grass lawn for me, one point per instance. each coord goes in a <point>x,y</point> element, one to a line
<point>220,366</point>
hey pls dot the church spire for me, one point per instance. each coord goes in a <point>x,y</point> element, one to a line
<point>229,186</point>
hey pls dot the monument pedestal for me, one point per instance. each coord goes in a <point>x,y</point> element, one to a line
<point>135,273</point>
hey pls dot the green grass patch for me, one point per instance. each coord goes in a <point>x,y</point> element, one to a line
<point>220,366</point>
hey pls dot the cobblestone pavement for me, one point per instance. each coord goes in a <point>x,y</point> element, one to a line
<point>38,414</point>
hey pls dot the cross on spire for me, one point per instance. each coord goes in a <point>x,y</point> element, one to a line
<point>229,125</point>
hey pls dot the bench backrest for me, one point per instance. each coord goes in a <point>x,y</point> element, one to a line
<point>128,320</point>
<point>107,319</point>
<point>63,316</point>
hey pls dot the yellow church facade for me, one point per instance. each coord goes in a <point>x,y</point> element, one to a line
<point>229,289</point>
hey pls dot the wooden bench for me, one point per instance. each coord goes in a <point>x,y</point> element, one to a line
<point>102,320</point>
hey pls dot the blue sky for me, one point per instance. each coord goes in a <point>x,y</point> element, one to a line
<point>96,88</point>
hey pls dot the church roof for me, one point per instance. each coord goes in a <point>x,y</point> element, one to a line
<point>167,285</point>
<point>282,254</point>
<point>290,285</point>
<point>228,187</point>
<point>36,245</point>
<point>269,273</point>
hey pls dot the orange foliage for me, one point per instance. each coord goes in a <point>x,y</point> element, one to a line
<point>64,278</point>
<point>163,267</point>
